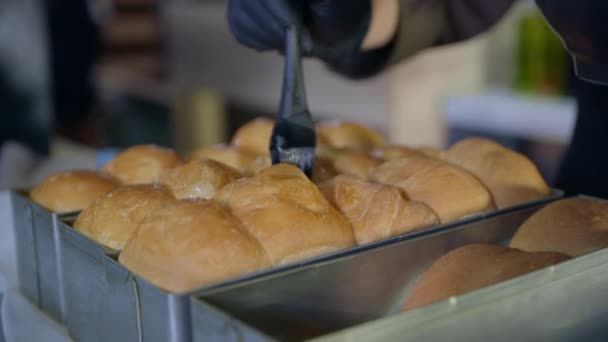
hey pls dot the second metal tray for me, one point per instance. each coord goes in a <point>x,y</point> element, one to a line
<point>565,302</point>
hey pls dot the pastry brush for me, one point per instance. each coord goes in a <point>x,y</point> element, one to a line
<point>293,138</point>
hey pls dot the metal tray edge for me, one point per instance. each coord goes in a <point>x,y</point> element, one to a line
<point>473,299</point>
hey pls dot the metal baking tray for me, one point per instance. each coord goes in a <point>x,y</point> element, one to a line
<point>565,302</point>
<point>164,317</point>
<point>69,277</point>
<point>79,282</point>
<point>358,286</point>
<point>38,267</point>
<point>99,299</point>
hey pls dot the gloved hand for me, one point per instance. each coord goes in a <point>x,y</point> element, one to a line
<point>582,25</point>
<point>333,30</point>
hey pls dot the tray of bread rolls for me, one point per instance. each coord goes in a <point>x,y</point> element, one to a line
<point>533,274</point>
<point>153,228</point>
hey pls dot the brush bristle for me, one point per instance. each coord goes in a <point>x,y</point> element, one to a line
<point>302,157</point>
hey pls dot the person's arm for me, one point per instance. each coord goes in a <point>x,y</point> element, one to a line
<point>421,24</point>
<point>359,38</point>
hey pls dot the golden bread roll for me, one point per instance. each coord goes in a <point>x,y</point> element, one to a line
<point>431,152</point>
<point>111,219</point>
<point>574,226</point>
<point>247,163</point>
<point>376,211</point>
<point>342,134</point>
<point>349,162</point>
<point>323,170</point>
<point>198,179</point>
<point>260,163</point>
<point>511,177</point>
<point>190,244</point>
<point>392,152</point>
<point>254,136</point>
<point>72,191</point>
<point>450,191</point>
<point>355,164</point>
<point>473,267</point>
<point>142,164</point>
<point>287,213</point>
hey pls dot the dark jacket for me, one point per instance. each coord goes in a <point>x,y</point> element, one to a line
<point>428,23</point>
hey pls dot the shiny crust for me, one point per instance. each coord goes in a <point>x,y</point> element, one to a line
<point>287,213</point>
<point>511,177</point>
<point>349,162</point>
<point>323,170</point>
<point>451,192</point>
<point>142,164</point>
<point>392,152</point>
<point>72,190</point>
<point>343,134</point>
<point>573,226</point>
<point>472,267</point>
<point>254,136</point>
<point>198,179</point>
<point>247,163</point>
<point>376,211</point>
<point>191,244</point>
<point>431,152</point>
<point>111,219</point>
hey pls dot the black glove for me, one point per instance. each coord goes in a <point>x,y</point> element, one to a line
<point>333,30</point>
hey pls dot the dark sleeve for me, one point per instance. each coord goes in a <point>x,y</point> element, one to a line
<point>429,23</point>
<point>585,164</point>
<point>75,46</point>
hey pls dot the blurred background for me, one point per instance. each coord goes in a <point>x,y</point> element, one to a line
<point>100,75</point>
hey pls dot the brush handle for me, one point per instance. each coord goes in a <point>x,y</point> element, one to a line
<point>293,99</point>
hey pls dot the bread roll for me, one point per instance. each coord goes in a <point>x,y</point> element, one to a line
<point>450,191</point>
<point>254,136</point>
<point>189,244</point>
<point>349,162</point>
<point>511,177</point>
<point>376,211</point>
<point>142,164</point>
<point>472,267</point>
<point>247,163</point>
<point>431,152</point>
<point>392,152</point>
<point>323,170</point>
<point>341,134</point>
<point>111,219</point>
<point>198,179</point>
<point>72,190</point>
<point>573,226</point>
<point>287,213</point>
